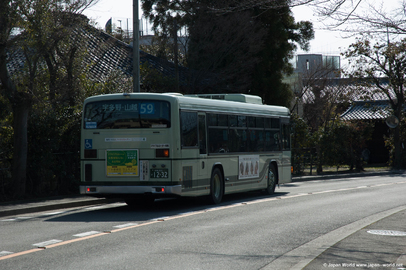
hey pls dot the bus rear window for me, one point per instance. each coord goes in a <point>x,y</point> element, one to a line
<point>122,114</point>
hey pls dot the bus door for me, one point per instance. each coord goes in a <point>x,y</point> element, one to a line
<point>194,149</point>
<point>202,164</point>
<point>286,151</point>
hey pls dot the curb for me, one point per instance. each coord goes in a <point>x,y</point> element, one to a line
<point>344,175</point>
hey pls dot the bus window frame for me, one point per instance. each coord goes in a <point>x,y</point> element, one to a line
<point>241,129</point>
<point>181,129</point>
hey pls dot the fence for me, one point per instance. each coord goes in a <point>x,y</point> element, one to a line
<point>302,159</point>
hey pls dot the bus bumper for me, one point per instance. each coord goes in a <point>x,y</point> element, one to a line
<point>140,190</point>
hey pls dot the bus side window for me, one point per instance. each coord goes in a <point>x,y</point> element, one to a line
<point>218,134</point>
<point>272,135</point>
<point>286,136</point>
<point>202,134</point>
<point>189,129</point>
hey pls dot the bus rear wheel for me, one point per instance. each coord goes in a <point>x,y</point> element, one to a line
<point>272,179</point>
<point>216,186</point>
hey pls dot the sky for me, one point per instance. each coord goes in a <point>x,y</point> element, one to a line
<point>325,42</point>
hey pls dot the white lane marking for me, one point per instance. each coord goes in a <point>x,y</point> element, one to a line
<point>387,232</point>
<point>47,243</point>
<point>86,234</point>
<point>160,218</point>
<point>118,204</point>
<point>98,207</point>
<point>53,213</point>
<point>38,216</point>
<point>5,253</point>
<point>187,213</point>
<point>24,218</point>
<point>125,225</point>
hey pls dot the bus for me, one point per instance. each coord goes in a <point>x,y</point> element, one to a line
<point>142,146</point>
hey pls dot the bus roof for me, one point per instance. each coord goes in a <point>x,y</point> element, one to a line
<point>232,103</point>
<point>231,97</point>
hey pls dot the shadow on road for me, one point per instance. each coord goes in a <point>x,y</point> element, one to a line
<point>160,208</point>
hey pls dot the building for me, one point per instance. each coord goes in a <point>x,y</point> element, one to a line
<point>314,65</point>
<point>317,79</point>
<point>105,54</point>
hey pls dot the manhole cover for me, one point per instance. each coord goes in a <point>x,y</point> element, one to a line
<point>387,232</point>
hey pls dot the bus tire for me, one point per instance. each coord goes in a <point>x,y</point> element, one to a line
<point>272,180</point>
<point>216,186</point>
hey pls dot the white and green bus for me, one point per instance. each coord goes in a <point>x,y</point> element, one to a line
<point>143,146</point>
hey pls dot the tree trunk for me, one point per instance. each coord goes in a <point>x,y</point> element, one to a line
<point>396,141</point>
<point>319,159</point>
<point>52,77</point>
<point>19,164</point>
<point>397,161</point>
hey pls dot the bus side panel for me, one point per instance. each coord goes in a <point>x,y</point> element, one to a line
<point>194,173</point>
<point>286,175</point>
<point>236,183</point>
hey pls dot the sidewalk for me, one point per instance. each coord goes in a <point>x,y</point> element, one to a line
<point>381,245</point>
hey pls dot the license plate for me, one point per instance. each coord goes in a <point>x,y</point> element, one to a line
<point>158,173</point>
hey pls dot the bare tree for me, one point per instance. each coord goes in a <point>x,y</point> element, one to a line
<point>376,60</point>
<point>347,16</point>
<point>322,94</point>
<point>359,17</point>
<point>242,5</point>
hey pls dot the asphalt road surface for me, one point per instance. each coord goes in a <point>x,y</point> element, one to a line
<point>289,230</point>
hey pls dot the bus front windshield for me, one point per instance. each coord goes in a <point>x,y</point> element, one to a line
<point>124,114</point>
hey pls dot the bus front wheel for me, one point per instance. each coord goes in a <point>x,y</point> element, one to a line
<point>216,186</point>
<point>272,179</point>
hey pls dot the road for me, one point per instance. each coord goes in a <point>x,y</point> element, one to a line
<point>247,231</point>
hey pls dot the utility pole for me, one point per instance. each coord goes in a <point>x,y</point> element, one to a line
<point>175,51</point>
<point>136,50</point>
